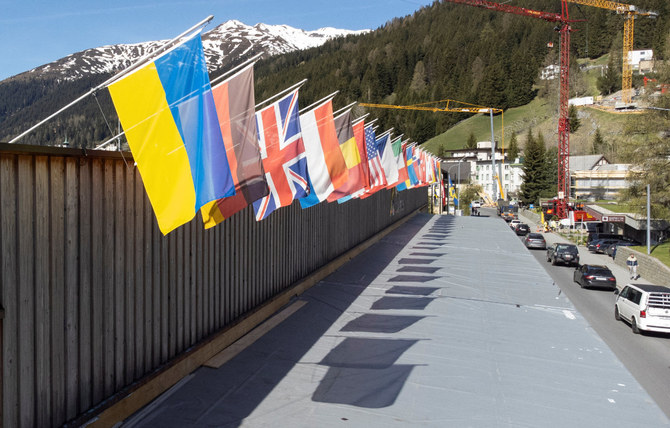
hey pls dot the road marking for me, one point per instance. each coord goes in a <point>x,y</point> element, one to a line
<point>569,315</point>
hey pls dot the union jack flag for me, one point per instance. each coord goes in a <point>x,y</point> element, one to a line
<point>377,177</point>
<point>283,154</point>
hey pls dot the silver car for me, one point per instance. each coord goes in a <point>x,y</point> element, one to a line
<point>535,240</point>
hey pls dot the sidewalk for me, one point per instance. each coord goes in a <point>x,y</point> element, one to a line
<point>447,321</point>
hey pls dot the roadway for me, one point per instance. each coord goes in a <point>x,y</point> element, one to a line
<point>646,356</point>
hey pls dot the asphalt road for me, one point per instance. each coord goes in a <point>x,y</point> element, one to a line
<point>646,356</point>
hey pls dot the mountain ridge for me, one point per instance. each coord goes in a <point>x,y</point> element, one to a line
<point>223,45</point>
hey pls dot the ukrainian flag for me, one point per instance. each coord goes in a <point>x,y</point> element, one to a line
<point>167,111</point>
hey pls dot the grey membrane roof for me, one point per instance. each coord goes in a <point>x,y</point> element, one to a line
<point>447,321</point>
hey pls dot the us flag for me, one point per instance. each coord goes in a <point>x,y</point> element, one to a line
<point>377,177</point>
<point>283,154</point>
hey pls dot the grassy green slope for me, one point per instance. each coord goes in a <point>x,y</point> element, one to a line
<point>517,120</point>
<point>541,116</point>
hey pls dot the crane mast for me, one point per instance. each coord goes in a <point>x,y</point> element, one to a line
<point>629,12</point>
<point>563,185</point>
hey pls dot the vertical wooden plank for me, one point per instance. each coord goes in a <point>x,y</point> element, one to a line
<point>26,284</point>
<point>178,295</point>
<point>194,315</point>
<point>109,296</point>
<point>165,269</point>
<point>189,282</point>
<point>117,226</point>
<point>129,238</point>
<point>54,289</point>
<point>49,299</point>
<point>223,274</point>
<point>9,275</point>
<point>72,304</point>
<point>212,253</point>
<point>100,281</point>
<point>245,261</point>
<point>85,296</point>
<point>152,286</point>
<point>228,254</point>
<point>170,266</point>
<point>140,278</point>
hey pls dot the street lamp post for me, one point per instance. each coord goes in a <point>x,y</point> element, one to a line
<point>458,190</point>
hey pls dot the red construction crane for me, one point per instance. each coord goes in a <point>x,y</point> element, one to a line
<point>563,125</point>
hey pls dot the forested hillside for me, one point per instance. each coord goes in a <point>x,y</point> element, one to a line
<point>443,51</point>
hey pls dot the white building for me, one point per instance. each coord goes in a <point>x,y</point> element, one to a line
<point>550,72</point>
<point>635,57</point>
<point>482,173</point>
<point>592,176</point>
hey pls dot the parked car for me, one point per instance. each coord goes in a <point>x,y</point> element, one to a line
<point>513,223</point>
<point>563,253</point>
<point>612,248</point>
<point>535,240</point>
<point>646,307</point>
<point>600,245</point>
<point>522,229</point>
<point>593,236</point>
<point>594,276</point>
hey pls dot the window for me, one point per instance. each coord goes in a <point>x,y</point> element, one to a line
<point>634,296</point>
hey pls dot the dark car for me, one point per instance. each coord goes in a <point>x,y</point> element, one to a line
<point>594,276</point>
<point>600,245</point>
<point>563,253</point>
<point>522,229</point>
<point>535,240</point>
<point>592,236</point>
<point>612,248</point>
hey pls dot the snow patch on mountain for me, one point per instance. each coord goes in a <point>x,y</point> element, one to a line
<point>226,43</point>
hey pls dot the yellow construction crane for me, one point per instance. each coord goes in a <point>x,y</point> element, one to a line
<point>448,107</point>
<point>629,12</point>
<point>471,108</point>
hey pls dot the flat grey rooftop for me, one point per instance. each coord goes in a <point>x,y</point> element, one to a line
<point>448,321</point>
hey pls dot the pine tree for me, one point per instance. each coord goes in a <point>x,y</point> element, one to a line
<point>513,151</point>
<point>533,170</point>
<point>472,142</point>
<point>573,120</point>
<point>598,143</point>
<point>611,80</point>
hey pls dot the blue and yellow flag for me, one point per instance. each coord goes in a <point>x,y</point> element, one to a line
<point>167,111</point>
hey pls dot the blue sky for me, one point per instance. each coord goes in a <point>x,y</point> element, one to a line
<point>36,32</point>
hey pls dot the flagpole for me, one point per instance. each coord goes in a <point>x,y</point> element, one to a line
<point>100,146</point>
<point>285,91</point>
<point>235,69</point>
<point>322,100</point>
<point>355,121</point>
<point>335,114</point>
<point>387,132</point>
<point>112,79</point>
<point>371,122</point>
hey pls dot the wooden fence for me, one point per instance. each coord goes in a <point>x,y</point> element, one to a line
<point>95,298</point>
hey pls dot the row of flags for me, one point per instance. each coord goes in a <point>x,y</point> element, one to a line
<point>204,148</point>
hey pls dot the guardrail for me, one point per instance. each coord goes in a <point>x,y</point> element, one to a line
<point>95,298</point>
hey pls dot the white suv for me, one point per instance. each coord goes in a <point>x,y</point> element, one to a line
<point>513,223</point>
<point>644,306</point>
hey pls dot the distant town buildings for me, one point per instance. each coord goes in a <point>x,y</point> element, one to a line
<point>594,177</point>
<point>550,72</point>
<point>480,171</point>
<point>642,60</point>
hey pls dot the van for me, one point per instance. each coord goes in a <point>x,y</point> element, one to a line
<point>645,306</point>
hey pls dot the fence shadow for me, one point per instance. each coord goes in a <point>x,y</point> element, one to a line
<point>224,397</point>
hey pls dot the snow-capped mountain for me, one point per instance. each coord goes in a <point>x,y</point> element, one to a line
<point>224,44</point>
